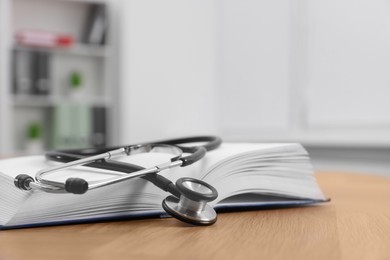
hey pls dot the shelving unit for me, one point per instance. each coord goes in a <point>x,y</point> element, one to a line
<point>77,109</point>
<point>77,50</point>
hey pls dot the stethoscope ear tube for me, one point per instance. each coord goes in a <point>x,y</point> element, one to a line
<point>212,142</point>
<point>80,186</point>
<point>100,164</point>
<point>197,153</point>
<point>22,181</point>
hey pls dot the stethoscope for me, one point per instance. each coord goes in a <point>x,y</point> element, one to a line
<point>189,202</point>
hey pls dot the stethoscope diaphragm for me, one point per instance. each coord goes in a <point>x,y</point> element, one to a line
<point>192,207</point>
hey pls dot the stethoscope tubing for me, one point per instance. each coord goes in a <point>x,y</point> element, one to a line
<point>187,204</point>
<point>80,186</point>
<point>196,152</point>
<point>97,158</point>
<point>125,168</point>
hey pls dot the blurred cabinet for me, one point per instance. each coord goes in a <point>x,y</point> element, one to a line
<point>348,86</point>
<point>315,72</point>
<point>59,83</point>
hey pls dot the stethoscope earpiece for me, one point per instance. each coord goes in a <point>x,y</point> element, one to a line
<point>22,181</point>
<point>192,205</point>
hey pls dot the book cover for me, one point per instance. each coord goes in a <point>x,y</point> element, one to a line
<point>99,127</point>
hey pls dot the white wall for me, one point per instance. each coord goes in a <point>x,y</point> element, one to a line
<point>254,57</point>
<point>5,120</point>
<point>167,69</point>
<point>349,63</point>
<point>224,64</point>
<point>310,71</point>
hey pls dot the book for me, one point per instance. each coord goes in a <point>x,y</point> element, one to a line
<point>31,72</point>
<point>40,72</point>
<point>96,25</point>
<point>71,126</point>
<point>246,176</point>
<point>99,128</point>
<point>43,39</point>
<point>81,125</point>
<point>22,74</point>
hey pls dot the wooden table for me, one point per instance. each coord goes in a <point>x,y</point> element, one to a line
<point>354,225</point>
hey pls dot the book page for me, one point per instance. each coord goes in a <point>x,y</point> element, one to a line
<point>230,151</point>
<point>265,169</point>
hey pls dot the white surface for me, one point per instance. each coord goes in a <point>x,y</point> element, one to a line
<point>349,63</point>
<point>254,42</point>
<point>336,91</point>
<point>168,69</point>
<point>5,120</point>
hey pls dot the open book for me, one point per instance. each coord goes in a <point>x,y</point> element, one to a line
<point>245,176</point>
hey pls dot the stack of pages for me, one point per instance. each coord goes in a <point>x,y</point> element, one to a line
<point>245,176</point>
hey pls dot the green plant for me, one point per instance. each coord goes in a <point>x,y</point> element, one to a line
<point>76,80</point>
<point>34,131</point>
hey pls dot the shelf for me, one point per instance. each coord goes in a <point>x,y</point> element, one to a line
<point>51,101</point>
<point>77,49</point>
<point>33,69</point>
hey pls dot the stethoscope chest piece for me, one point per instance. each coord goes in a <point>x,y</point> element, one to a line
<point>192,205</point>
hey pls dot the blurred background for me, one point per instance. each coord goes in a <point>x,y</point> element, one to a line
<point>92,73</point>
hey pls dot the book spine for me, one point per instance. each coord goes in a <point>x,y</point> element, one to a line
<point>82,126</point>
<point>34,72</point>
<point>61,127</point>
<point>44,39</point>
<point>43,74</point>
<point>96,25</point>
<point>99,128</point>
<point>72,126</point>
<point>22,77</point>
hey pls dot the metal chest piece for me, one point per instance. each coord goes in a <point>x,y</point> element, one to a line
<point>192,205</point>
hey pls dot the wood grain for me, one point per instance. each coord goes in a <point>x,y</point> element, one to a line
<point>354,225</point>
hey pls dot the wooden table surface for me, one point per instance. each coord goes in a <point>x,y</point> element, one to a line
<point>354,225</point>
